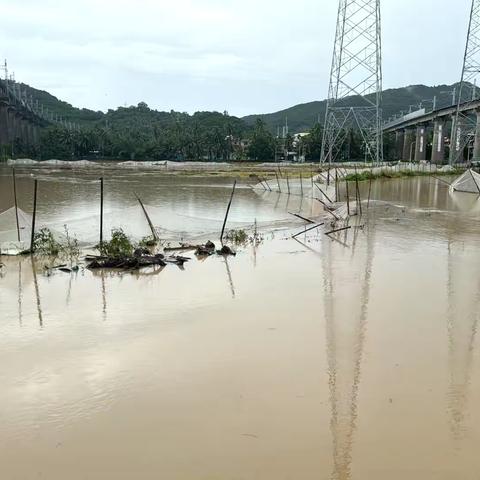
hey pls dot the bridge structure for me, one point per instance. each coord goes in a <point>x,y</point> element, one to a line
<point>22,117</point>
<point>414,133</point>
<point>357,73</point>
<point>456,126</point>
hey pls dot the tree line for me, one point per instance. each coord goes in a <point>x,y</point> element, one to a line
<point>139,133</point>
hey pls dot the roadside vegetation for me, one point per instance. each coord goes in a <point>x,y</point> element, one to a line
<point>368,175</point>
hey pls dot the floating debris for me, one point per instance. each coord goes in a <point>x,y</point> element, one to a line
<point>129,263</point>
<point>226,250</point>
<point>205,250</point>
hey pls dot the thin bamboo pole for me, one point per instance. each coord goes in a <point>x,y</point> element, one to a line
<point>278,182</point>
<point>301,218</point>
<point>359,200</point>
<point>327,209</point>
<point>301,184</point>
<point>101,211</point>
<point>348,197</point>
<point>34,216</point>
<point>288,183</point>
<point>338,230</point>
<point>323,193</point>
<point>336,185</point>
<point>16,202</point>
<point>369,192</point>
<point>228,211</point>
<point>307,230</point>
<point>150,224</point>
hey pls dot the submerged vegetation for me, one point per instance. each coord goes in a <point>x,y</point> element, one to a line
<point>118,246</point>
<point>236,236</point>
<point>241,237</point>
<point>45,244</point>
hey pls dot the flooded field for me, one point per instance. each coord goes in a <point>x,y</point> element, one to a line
<point>352,358</point>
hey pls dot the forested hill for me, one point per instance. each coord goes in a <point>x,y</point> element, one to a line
<point>129,117</point>
<point>302,117</point>
<point>82,116</point>
<point>139,132</point>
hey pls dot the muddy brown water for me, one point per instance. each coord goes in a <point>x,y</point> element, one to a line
<point>352,358</point>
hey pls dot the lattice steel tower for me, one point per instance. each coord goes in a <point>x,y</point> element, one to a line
<point>356,73</point>
<point>464,125</point>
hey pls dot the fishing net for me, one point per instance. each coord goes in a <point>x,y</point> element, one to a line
<point>15,240</point>
<point>469,182</point>
<point>307,188</point>
<point>11,238</point>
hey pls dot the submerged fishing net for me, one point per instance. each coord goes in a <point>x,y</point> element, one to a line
<point>469,182</point>
<point>307,188</point>
<point>11,238</point>
<point>15,240</point>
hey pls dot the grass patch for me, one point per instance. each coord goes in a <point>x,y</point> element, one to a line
<point>368,175</point>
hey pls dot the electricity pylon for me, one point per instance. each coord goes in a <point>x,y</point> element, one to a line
<point>355,90</point>
<point>464,125</point>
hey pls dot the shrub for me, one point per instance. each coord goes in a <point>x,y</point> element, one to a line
<point>147,242</point>
<point>236,236</point>
<point>45,244</point>
<point>119,245</point>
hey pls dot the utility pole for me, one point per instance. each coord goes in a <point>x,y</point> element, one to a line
<point>462,125</point>
<point>356,72</point>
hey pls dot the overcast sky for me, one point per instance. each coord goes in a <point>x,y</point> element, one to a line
<point>244,56</point>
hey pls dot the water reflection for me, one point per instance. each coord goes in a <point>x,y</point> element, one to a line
<point>347,291</point>
<point>37,291</point>
<point>104,297</point>
<point>20,294</point>
<point>462,324</point>
<point>229,275</point>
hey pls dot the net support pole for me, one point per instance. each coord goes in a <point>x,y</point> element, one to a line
<point>15,202</point>
<point>336,185</point>
<point>278,182</point>
<point>34,215</point>
<point>228,211</point>
<point>348,196</point>
<point>101,210</point>
<point>359,200</point>
<point>149,220</point>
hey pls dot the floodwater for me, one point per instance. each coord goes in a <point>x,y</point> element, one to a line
<point>353,358</point>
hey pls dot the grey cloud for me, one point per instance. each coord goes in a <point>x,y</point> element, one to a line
<point>241,55</point>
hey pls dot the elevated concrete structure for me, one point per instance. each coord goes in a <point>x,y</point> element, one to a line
<point>421,143</point>
<point>408,141</point>
<point>414,129</point>
<point>20,120</point>
<point>476,142</point>
<point>438,144</point>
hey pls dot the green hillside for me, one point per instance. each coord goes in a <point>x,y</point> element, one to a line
<point>302,117</point>
<point>82,116</point>
<point>141,133</point>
